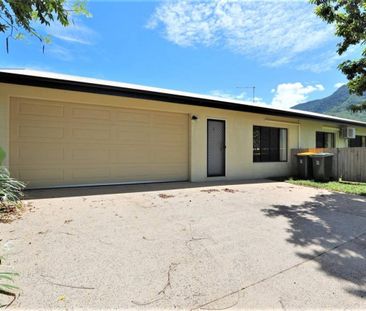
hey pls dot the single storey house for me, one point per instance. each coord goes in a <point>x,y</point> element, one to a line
<point>59,130</point>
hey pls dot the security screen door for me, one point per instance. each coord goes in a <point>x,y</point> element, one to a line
<point>215,148</point>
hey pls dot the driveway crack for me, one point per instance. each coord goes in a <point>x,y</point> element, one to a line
<point>278,273</point>
<point>65,285</point>
<point>195,239</point>
<point>168,284</point>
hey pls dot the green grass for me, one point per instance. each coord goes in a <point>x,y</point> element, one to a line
<point>346,187</point>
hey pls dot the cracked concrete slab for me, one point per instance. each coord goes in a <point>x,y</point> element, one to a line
<point>246,244</point>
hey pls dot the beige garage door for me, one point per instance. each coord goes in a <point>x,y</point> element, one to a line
<point>60,144</point>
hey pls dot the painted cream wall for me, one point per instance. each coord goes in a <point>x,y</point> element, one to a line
<point>309,128</point>
<point>361,131</point>
<point>239,129</point>
<point>4,124</point>
<point>308,133</point>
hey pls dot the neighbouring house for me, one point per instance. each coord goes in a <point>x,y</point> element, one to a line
<point>60,130</point>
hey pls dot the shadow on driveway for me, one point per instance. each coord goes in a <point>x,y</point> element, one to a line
<point>333,228</point>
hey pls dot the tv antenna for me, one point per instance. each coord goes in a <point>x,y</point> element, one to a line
<point>249,87</point>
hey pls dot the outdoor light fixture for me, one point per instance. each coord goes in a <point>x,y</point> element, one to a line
<point>194,118</point>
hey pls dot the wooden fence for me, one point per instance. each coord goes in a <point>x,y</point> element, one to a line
<point>349,164</point>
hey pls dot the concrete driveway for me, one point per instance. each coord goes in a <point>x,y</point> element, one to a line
<point>246,245</point>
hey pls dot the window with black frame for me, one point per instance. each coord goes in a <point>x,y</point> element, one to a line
<point>325,140</point>
<point>269,144</point>
<point>359,141</point>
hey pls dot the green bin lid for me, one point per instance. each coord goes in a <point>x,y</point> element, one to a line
<point>322,155</point>
<point>303,154</point>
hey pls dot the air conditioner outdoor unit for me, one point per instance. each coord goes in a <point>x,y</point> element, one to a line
<point>348,132</point>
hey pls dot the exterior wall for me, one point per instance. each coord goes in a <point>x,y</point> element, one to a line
<point>4,125</point>
<point>361,131</point>
<point>309,128</point>
<point>239,130</point>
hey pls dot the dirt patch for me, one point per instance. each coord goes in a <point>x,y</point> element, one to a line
<point>229,190</point>
<point>10,212</point>
<point>210,190</point>
<point>165,196</point>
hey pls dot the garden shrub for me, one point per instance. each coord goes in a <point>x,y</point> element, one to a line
<point>10,188</point>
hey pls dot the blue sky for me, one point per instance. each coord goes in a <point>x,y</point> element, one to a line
<point>210,47</point>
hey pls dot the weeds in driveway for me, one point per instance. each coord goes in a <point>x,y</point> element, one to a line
<point>10,188</point>
<point>7,288</point>
<point>10,195</point>
<point>10,205</point>
<point>338,186</point>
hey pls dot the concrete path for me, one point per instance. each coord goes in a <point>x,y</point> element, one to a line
<point>188,246</point>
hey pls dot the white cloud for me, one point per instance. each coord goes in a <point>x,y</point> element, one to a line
<point>328,60</point>
<point>322,62</point>
<point>76,32</point>
<point>66,41</point>
<point>59,52</point>
<point>273,31</point>
<point>241,96</point>
<point>287,95</point>
<point>339,84</point>
<point>220,93</point>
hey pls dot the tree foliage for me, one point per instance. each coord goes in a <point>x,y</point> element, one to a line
<point>19,18</point>
<point>349,18</point>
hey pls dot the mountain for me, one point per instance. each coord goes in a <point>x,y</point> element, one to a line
<point>336,104</point>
